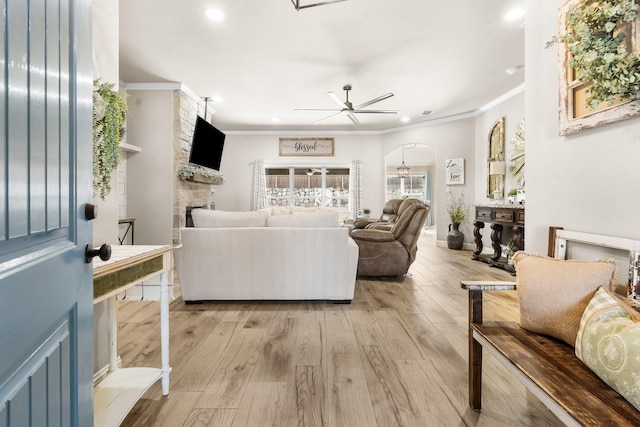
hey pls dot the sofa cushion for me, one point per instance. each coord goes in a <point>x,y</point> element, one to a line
<point>276,210</point>
<point>205,218</point>
<point>311,219</point>
<point>553,293</point>
<point>609,343</point>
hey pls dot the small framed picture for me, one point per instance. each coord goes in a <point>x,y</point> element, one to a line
<point>455,171</point>
<point>306,146</point>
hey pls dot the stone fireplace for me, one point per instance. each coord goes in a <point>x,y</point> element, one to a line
<point>187,194</point>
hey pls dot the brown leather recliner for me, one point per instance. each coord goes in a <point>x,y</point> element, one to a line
<point>388,217</point>
<point>390,253</point>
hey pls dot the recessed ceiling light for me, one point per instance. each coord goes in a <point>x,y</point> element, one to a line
<point>217,99</point>
<point>215,15</point>
<point>514,14</point>
<point>405,119</point>
<point>275,120</point>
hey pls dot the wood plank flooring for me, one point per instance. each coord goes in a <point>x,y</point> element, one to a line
<point>395,356</point>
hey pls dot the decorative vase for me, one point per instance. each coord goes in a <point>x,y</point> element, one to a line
<point>455,237</point>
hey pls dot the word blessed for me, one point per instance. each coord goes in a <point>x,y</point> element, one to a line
<point>306,146</point>
<point>303,147</point>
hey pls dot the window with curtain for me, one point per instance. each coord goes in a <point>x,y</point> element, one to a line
<point>308,186</point>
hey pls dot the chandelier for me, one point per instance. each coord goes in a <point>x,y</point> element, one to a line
<point>403,170</point>
<point>298,3</point>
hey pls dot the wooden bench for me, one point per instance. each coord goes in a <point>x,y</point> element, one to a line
<point>547,367</point>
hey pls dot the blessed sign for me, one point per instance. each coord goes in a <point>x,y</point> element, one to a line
<point>306,146</point>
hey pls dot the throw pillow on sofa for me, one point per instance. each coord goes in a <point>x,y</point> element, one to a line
<point>608,343</point>
<point>553,293</point>
<point>205,218</point>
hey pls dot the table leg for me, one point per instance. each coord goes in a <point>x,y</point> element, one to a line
<point>164,329</point>
<point>496,238</point>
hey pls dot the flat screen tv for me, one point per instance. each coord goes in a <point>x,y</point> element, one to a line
<point>207,145</point>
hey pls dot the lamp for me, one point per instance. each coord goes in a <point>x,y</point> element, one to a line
<point>297,3</point>
<point>403,170</point>
<point>498,169</point>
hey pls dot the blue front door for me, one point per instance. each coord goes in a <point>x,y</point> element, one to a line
<point>45,180</point>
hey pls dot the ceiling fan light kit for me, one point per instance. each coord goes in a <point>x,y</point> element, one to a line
<point>298,4</point>
<point>347,108</point>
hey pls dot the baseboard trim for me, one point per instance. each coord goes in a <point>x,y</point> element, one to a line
<point>467,246</point>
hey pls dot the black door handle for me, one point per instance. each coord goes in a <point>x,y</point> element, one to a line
<point>103,251</point>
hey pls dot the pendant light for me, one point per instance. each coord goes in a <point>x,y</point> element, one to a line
<point>403,170</point>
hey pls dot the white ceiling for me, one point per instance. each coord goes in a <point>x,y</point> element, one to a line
<point>267,59</point>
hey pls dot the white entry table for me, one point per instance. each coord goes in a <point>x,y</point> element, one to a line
<point>130,265</point>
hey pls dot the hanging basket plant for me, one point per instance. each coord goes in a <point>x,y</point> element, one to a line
<point>596,39</point>
<point>109,120</point>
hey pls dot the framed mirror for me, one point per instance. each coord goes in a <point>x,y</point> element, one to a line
<point>495,161</point>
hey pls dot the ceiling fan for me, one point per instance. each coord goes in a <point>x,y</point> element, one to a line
<point>313,171</point>
<point>347,108</point>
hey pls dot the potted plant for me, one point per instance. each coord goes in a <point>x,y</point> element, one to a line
<point>512,196</point>
<point>457,209</point>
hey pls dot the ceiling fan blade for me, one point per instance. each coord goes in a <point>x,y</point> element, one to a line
<point>337,100</point>
<point>373,101</point>
<point>326,118</point>
<point>377,111</point>
<point>353,118</point>
<point>316,109</point>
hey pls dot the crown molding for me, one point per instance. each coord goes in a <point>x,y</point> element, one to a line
<point>463,116</point>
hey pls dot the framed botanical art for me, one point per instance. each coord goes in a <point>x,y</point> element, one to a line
<point>599,66</point>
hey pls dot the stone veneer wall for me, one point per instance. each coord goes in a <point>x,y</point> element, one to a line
<point>186,193</point>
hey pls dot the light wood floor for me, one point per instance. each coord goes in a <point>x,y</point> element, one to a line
<point>396,356</point>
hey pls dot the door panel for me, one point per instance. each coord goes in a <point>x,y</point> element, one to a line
<point>46,292</point>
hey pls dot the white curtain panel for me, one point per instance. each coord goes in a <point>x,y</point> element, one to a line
<point>259,190</point>
<point>355,187</point>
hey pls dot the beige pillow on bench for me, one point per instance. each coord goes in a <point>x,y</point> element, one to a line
<point>554,293</point>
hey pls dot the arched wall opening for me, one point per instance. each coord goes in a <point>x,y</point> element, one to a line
<point>411,172</point>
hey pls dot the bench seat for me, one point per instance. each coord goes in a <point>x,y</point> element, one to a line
<point>548,367</point>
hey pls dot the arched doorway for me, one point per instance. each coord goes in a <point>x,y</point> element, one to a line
<point>410,172</point>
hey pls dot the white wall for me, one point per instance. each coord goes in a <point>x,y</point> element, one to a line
<point>106,65</point>
<point>466,138</point>
<point>449,140</point>
<point>585,182</point>
<point>150,172</point>
<point>105,226</point>
<point>512,110</point>
<point>241,149</point>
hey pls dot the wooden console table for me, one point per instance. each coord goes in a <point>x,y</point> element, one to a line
<point>117,393</point>
<point>499,216</point>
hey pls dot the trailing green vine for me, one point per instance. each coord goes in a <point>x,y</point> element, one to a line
<point>109,120</point>
<point>598,51</point>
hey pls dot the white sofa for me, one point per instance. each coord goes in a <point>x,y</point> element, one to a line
<point>259,256</point>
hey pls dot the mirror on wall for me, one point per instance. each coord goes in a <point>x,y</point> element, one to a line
<point>496,166</point>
